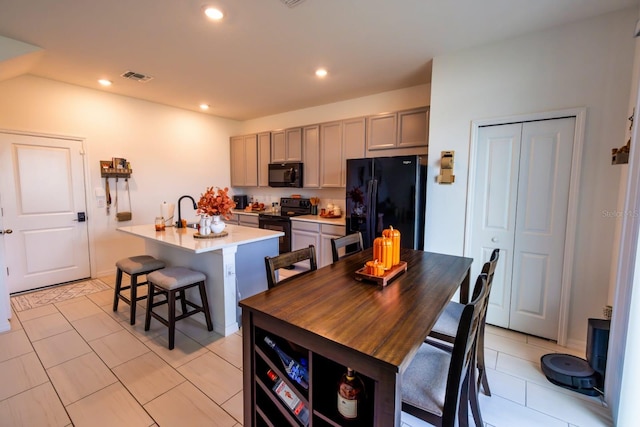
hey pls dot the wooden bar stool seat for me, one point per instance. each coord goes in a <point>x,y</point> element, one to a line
<point>134,266</point>
<point>172,282</point>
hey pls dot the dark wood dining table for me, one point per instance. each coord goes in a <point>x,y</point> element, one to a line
<point>373,329</point>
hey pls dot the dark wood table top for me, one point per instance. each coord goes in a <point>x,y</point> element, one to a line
<point>386,323</point>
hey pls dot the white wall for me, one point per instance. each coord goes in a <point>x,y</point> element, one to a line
<point>395,100</point>
<point>587,64</point>
<point>172,151</point>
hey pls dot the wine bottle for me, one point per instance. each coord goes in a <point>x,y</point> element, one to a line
<point>289,398</point>
<point>350,395</point>
<point>295,370</point>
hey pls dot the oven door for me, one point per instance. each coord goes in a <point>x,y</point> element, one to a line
<point>278,223</point>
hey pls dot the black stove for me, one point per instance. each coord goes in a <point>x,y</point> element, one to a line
<point>281,221</point>
<point>290,206</point>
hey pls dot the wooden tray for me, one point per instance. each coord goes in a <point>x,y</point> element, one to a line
<point>210,236</point>
<point>384,280</point>
<point>331,216</point>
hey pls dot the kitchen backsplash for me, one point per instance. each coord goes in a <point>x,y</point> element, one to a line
<point>269,195</point>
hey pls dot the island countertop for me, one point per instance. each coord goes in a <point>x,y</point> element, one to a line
<point>183,238</point>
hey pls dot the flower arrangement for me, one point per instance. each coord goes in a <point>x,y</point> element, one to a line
<point>216,201</point>
<point>356,195</point>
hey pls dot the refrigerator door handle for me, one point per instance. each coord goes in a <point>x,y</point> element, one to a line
<point>373,196</point>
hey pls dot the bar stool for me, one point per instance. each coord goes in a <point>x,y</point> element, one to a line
<point>169,282</point>
<point>134,266</point>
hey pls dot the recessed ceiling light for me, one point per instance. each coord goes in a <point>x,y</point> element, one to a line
<point>105,82</point>
<point>321,72</point>
<point>213,13</point>
<point>204,106</point>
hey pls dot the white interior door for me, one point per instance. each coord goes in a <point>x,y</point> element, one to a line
<point>520,200</point>
<point>493,221</point>
<point>541,224</point>
<point>41,193</point>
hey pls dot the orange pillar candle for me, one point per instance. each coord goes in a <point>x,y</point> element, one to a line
<point>383,251</point>
<point>394,235</point>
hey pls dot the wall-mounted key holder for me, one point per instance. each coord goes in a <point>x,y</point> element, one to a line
<point>446,168</point>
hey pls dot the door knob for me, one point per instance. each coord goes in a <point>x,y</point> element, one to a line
<point>494,239</point>
<point>7,231</point>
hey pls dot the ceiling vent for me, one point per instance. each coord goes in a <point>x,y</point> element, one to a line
<point>131,75</point>
<point>291,3</point>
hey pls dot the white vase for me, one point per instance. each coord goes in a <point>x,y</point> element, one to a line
<point>217,226</point>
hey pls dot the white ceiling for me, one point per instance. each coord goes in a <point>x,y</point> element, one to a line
<point>261,59</point>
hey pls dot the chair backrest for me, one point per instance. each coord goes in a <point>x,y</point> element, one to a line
<point>351,242</point>
<point>463,351</point>
<point>284,260</point>
<point>488,268</point>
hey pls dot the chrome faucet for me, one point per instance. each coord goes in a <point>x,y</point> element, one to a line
<point>195,206</point>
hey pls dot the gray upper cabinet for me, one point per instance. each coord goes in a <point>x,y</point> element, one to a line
<point>264,157</point>
<point>403,129</point>
<point>331,155</point>
<point>382,131</point>
<point>311,156</point>
<point>244,161</point>
<point>286,145</point>
<point>412,127</point>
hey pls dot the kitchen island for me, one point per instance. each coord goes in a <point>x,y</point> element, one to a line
<point>233,264</point>
<point>328,321</point>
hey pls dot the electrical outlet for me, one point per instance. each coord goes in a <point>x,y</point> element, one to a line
<point>230,271</point>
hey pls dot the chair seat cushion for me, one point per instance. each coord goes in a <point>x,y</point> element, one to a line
<point>175,277</point>
<point>425,380</point>
<point>447,323</point>
<point>139,264</point>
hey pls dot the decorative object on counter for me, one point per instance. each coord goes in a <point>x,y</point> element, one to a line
<point>216,201</point>
<point>217,225</point>
<point>160,226</point>
<point>205,225</point>
<point>254,207</point>
<point>315,201</point>
<point>197,235</point>
<point>351,394</point>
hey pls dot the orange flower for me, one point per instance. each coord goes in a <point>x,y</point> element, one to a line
<point>216,202</point>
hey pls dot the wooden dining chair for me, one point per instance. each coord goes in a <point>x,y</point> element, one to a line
<point>436,384</point>
<point>352,243</point>
<point>446,327</point>
<point>272,264</point>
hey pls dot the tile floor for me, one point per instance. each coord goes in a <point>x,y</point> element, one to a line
<point>78,363</point>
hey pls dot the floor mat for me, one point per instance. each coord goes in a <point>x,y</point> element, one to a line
<point>57,294</point>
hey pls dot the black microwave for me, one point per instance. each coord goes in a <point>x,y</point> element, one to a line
<point>285,175</point>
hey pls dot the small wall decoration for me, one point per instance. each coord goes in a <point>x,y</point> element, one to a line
<point>105,165</point>
<point>620,156</point>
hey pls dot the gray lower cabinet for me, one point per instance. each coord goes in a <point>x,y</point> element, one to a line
<point>248,220</point>
<point>304,233</point>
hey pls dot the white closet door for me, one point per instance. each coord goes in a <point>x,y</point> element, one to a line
<point>520,199</point>
<point>541,222</point>
<point>494,211</point>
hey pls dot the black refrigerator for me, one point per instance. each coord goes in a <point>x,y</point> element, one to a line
<point>387,191</point>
